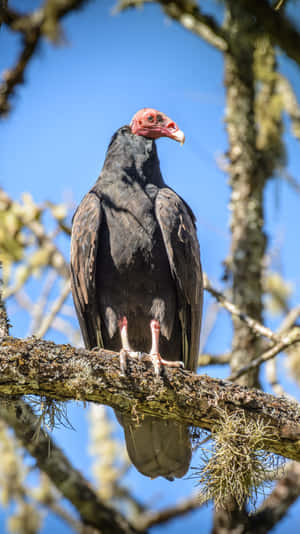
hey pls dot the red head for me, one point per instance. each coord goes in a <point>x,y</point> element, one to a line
<point>154,124</point>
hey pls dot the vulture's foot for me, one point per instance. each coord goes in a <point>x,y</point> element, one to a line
<point>126,351</point>
<point>155,356</point>
<point>125,354</point>
<point>158,362</point>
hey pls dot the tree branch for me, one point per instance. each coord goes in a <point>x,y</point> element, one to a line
<point>276,505</point>
<point>150,519</point>
<point>50,459</point>
<point>190,16</point>
<point>253,324</point>
<point>281,29</point>
<point>43,21</point>
<point>18,415</point>
<point>4,324</point>
<point>61,372</point>
<point>289,340</point>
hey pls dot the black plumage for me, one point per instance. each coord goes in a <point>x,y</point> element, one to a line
<point>135,253</point>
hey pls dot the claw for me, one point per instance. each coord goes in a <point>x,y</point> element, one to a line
<point>123,361</point>
<point>124,355</point>
<point>159,362</point>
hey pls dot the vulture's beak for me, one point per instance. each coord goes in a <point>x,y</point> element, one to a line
<point>179,136</point>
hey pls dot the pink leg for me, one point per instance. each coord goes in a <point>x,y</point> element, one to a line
<point>123,323</point>
<point>125,351</point>
<point>156,358</point>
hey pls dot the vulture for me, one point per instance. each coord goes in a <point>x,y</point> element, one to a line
<point>136,277</point>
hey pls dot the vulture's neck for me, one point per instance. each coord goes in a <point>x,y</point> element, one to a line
<point>136,156</point>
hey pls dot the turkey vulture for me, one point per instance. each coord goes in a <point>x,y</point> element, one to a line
<point>135,262</point>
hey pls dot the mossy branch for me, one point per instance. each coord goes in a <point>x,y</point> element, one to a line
<point>33,366</point>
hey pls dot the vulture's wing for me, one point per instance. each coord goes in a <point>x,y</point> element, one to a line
<point>177,224</point>
<point>84,247</point>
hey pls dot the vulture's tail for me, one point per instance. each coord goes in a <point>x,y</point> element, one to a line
<point>157,447</point>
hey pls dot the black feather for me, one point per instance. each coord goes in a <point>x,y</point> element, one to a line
<point>135,253</point>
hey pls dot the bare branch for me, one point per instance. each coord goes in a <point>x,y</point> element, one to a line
<point>291,180</point>
<point>19,416</point>
<point>38,309</point>
<point>289,319</point>
<point>253,324</point>
<point>277,504</point>
<point>214,359</point>
<point>290,102</point>
<point>32,27</point>
<point>55,309</point>
<point>289,340</point>
<point>183,507</point>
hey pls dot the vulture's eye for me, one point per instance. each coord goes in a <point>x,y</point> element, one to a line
<point>150,118</point>
<point>159,118</point>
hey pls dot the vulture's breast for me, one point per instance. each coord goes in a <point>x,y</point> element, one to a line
<point>133,272</point>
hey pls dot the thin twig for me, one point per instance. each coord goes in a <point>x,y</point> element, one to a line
<point>150,519</point>
<point>289,340</point>
<point>253,324</point>
<point>55,309</point>
<point>38,309</point>
<point>214,359</point>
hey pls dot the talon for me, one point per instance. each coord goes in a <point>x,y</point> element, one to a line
<point>123,361</point>
<point>156,362</point>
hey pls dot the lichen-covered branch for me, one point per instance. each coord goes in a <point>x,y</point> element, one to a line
<point>190,16</point>
<point>281,29</point>
<point>247,180</point>
<point>61,372</point>
<point>4,325</point>
<point>18,415</point>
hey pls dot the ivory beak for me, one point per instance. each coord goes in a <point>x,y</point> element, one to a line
<point>179,136</point>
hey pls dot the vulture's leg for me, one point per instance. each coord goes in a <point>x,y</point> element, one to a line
<point>156,358</point>
<point>126,351</point>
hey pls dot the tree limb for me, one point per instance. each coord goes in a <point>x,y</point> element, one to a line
<point>42,21</point>
<point>50,459</point>
<point>253,324</point>
<point>18,415</point>
<point>281,29</point>
<point>276,505</point>
<point>61,372</point>
<point>190,16</point>
<point>150,519</point>
<point>290,339</point>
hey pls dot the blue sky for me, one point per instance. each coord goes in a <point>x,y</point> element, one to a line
<point>54,142</point>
